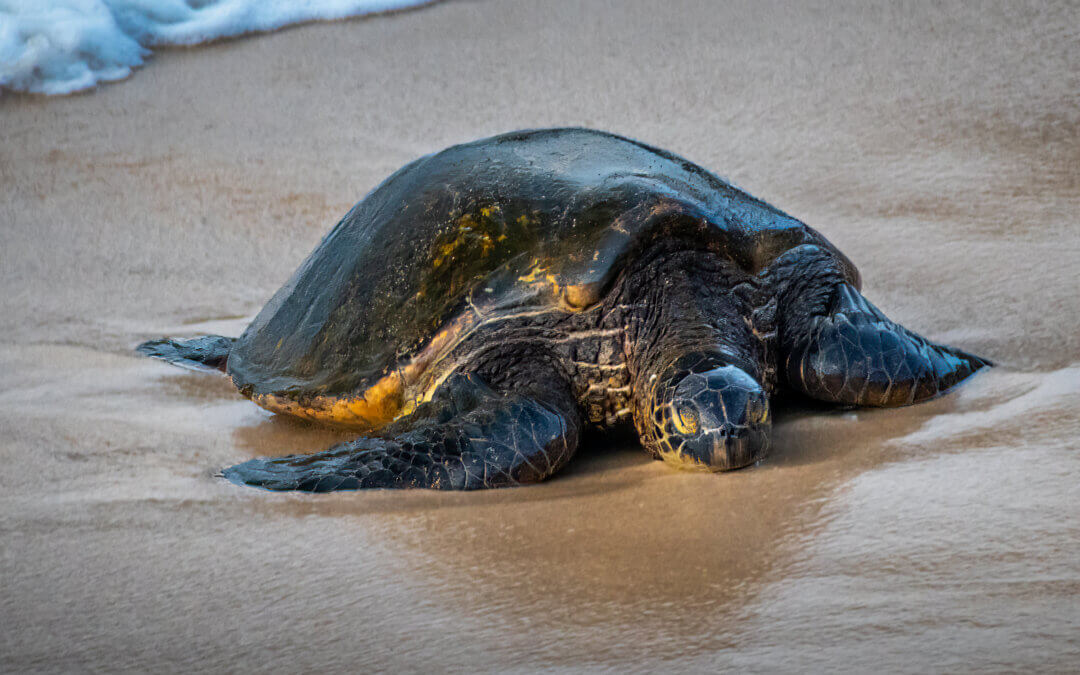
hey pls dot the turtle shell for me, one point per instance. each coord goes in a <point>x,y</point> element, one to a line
<point>530,217</point>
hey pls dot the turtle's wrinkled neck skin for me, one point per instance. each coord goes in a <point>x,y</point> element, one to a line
<point>473,312</point>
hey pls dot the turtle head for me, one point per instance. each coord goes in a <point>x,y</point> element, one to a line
<point>715,419</point>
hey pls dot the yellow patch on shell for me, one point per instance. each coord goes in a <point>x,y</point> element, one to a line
<point>470,236</point>
<point>393,396</point>
<point>576,297</point>
<point>580,296</point>
<point>375,408</point>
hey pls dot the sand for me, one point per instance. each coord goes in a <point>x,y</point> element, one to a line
<point>939,147</point>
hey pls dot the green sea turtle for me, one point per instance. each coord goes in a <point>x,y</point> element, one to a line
<point>483,303</point>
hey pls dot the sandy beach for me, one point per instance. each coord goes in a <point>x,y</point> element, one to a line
<point>939,147</point>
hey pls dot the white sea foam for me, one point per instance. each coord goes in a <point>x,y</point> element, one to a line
<point>62,46</point>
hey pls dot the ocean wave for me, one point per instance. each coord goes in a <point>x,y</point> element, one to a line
<point>63,46</point>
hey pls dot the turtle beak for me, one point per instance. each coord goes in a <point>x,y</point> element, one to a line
<point>725,448</point>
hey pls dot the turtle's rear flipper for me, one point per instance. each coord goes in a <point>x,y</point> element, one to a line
<point>852,353</point>
<point>209,352</point>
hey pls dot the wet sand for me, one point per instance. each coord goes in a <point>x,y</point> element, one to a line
<point>938,147</point>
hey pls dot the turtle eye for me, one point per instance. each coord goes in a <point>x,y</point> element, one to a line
<point>757,411</point>
<point>686,418</point>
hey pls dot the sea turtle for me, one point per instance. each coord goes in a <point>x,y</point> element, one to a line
<point>485,302</point>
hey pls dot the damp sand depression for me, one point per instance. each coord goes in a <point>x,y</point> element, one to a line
<point>938,147</point>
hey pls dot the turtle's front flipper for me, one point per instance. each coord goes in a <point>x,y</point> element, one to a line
<point>468,438</point>
<point>836,346</point>
<point>209,352</point>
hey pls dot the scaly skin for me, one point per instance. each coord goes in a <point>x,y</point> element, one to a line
<point>698,354</point>
<point>468,439</point>
<point>836,346</point>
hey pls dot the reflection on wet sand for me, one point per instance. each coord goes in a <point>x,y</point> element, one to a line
<point>618,535</point>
